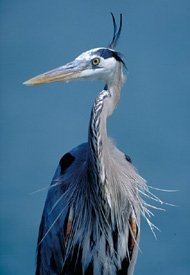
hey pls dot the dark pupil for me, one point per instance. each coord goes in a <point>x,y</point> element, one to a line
<point>95,61</point>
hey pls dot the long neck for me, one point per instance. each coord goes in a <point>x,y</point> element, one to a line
<point>103,107</point>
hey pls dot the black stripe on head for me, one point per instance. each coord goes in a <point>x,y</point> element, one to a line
<point>116,33</point>
<point>107,53</point>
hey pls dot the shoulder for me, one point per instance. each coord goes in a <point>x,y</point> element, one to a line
<point>128,158</point>
<point>73,157</point>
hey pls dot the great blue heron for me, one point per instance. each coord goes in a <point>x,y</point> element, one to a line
<point>91,219</point>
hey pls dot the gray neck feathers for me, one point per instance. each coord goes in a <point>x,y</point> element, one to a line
<point>103,107</point>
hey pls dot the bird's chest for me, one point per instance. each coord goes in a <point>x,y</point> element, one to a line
<point>100,227</point>
<point>103,241</point>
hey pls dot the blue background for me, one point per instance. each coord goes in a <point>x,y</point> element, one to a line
<point>39,124</point>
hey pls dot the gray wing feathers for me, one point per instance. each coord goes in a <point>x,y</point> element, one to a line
<point>51,247</point>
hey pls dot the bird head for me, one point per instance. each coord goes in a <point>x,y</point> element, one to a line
<point>98,63</point>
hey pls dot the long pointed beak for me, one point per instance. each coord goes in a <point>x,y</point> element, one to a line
<point>70,71</point>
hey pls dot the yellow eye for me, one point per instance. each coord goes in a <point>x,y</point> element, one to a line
<point>95,61</point>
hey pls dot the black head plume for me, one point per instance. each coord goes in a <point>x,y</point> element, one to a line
<point>116,33</point>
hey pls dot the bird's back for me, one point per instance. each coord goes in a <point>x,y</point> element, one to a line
<point>78,232</point>
<point>51,242</point>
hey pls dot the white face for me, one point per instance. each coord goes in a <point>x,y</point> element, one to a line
<point>97,67</point>
<point>99,63</point>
